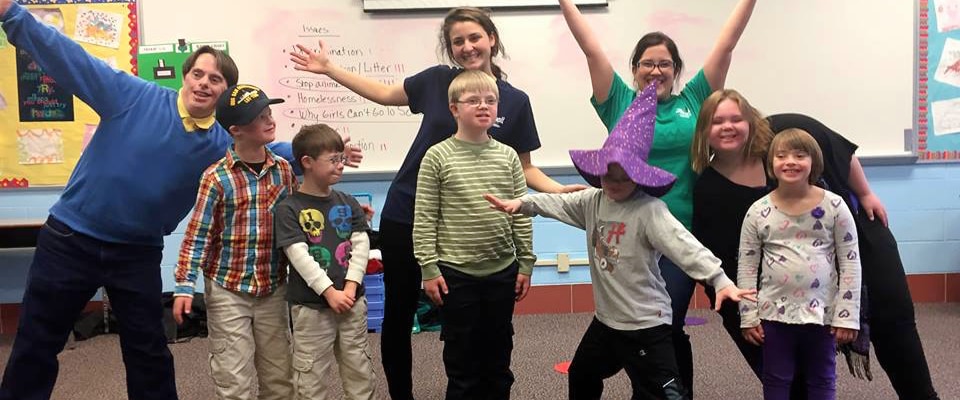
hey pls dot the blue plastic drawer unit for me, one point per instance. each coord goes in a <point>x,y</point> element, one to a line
<point>375,299</point>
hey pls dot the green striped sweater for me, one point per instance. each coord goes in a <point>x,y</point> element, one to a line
<point>452,222</point>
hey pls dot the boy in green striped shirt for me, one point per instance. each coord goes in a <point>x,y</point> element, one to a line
<point>476,261</point>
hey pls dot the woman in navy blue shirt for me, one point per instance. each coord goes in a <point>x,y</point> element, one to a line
<point>471,42</point>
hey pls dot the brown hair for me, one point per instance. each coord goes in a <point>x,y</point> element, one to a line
<point>799,140</point>
<point>655,39</point>
<point>480,17</point>
<point>758,138</point>
<point>225,64</point>
<point>313,140</point>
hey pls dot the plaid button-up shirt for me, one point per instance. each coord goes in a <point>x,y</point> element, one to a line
<point>230,235</point>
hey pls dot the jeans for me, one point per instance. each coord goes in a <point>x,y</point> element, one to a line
<point>68,268</point>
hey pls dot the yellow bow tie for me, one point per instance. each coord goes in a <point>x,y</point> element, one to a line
<point>191,124</point>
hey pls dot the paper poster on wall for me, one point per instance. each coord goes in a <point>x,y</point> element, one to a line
<point>40,146</point>
<point>40,98</point>
<point>44,125</point>
<point>948,71</point>
<point>98,27</point>
<point>50,16</point>
<point>948,15</point>
<point>946,116</point>
<point>161,63</point>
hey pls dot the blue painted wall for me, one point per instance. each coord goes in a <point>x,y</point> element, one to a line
<point>923,202</point>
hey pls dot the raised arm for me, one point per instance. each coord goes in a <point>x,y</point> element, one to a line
<point>75,70</point>
<point>718,61</point>
<point>319,63</point>
<point>601,72</point>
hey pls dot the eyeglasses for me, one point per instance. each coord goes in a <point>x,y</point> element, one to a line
<point>339,158</point>
<point>649,65</point>
<point>476,101</point>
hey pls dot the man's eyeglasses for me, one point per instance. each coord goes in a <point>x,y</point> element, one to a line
<point>339,158</point>
<point>649,65</point>
<point>476,101</point>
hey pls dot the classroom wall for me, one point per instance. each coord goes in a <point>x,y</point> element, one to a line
<point>923,201</point>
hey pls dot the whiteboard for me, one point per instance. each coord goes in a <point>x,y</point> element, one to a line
<point>393,5</point>
<point>848,63</point>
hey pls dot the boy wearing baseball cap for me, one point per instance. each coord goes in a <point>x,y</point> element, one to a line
<point>230,238</point>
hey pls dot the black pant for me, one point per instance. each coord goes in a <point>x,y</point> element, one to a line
<point>893,328</point>
<point>401,279</point>
<point>67,269</point>
<point>477,333</point>
<point>646,354</point>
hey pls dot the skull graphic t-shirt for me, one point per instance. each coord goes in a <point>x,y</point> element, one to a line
<point>325,224</point>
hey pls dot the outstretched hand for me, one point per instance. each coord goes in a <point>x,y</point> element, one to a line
<point>575,187</point>
<point>308,60</point>
<point>354,154</point>
<point>507,206</point>
<point>734,293</point>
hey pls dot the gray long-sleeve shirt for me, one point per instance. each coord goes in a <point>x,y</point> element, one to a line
<point>624,241</point>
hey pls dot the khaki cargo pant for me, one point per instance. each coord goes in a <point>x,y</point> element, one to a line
<point>322,338</point>
<point>249,344</point>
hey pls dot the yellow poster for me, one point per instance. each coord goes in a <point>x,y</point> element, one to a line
<point>44,127</point>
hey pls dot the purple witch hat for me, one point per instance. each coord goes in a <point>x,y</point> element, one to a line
<point>628,145</point>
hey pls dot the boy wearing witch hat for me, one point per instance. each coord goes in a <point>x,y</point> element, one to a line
<point>628,228</point>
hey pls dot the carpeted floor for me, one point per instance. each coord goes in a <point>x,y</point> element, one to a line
<point>93,370</point>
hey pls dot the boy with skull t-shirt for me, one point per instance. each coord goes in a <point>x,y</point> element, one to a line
<point>323,232</point>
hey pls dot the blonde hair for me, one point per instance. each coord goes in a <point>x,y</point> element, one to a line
<point>797,140</point>
<point>471,81</point>
<point>758,138</point>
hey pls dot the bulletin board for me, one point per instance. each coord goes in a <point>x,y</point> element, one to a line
<point>45,128</point>
<point>938,80</point>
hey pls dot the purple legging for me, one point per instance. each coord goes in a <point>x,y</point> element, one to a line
<point>810,348</point>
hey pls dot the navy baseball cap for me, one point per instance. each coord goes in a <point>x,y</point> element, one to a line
<point>240,104</point>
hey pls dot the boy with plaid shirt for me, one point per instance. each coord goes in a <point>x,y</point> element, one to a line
<point>230,237</point>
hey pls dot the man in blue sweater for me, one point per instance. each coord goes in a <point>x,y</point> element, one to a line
<point>134,183</point>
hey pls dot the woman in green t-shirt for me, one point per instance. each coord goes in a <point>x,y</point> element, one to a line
<point>656,59</point>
